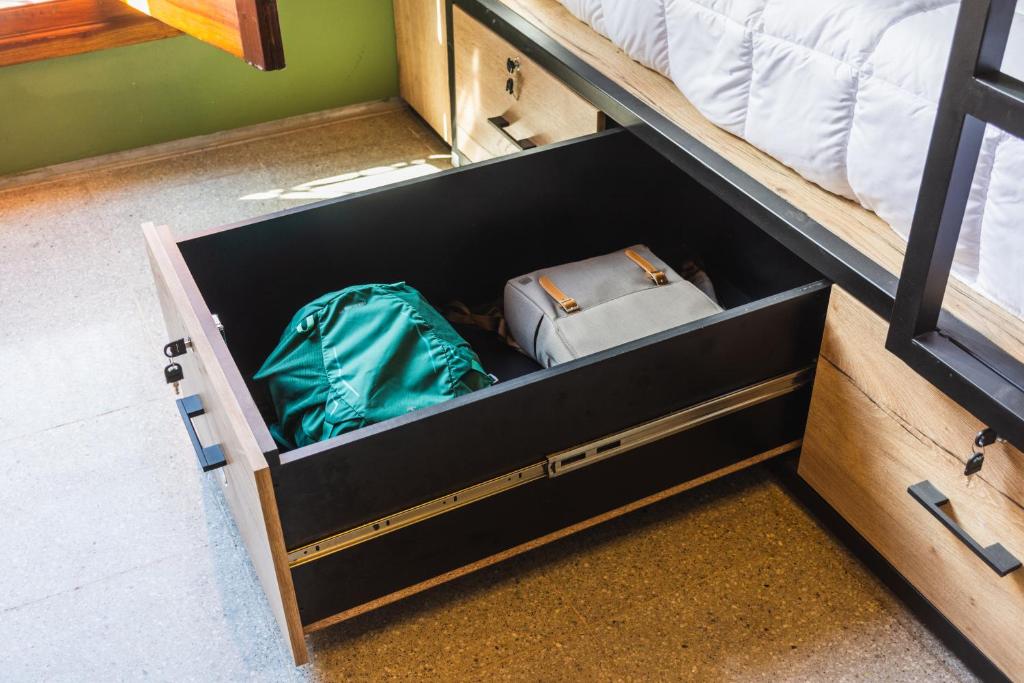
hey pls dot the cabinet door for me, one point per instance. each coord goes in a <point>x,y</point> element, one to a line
<point>421,34</point>
<point>246,28</point>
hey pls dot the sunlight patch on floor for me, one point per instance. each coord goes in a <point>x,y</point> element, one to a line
<point>355,181</point>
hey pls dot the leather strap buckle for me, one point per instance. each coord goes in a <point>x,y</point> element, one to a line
<point>567,303</point>
<point>656,276</point>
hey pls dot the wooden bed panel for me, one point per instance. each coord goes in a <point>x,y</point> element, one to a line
<point>421,38</point>
<point>848,220</point>
<point>58,28</point>
<point>854,343</point>
<point>875,427</point>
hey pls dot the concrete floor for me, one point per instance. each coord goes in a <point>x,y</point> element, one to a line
<point>122,562</point>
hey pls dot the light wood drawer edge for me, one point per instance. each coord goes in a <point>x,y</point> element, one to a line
<point>421,41</point>
<point>248,487</point>
<point>861,456</point>
<point>854,342</point>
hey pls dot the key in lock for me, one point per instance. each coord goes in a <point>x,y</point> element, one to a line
<point>173,375</point>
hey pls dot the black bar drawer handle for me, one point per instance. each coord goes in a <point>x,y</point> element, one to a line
<point>995,556</point>
<point>501,124</point>
<point>210,457</point>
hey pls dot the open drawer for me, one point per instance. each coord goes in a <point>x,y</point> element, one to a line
<point>362,519</point>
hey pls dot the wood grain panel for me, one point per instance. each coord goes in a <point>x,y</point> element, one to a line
<point>546,111</point>
<point>848,220</point>
<point>854,343</point>
<point>421,35</point>
<point>876,428</point>
<point>59,28</point>
<point>248,487</point>
<point>246,28</point>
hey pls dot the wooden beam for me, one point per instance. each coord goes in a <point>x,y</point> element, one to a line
<point>245,28</point>
<point>58,28</point>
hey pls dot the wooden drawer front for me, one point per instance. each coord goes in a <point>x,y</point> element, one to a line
<point>542,110</point>
<point>875,428</point>
<point>209,374</point>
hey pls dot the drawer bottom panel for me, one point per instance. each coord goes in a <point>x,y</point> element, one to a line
<point>339,585</point>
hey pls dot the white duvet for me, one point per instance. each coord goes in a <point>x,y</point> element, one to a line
<point>842,91</point>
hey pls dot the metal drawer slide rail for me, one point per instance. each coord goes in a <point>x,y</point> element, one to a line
<point>563,462</point>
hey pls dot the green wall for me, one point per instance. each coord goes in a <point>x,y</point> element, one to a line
<point>337,52</point>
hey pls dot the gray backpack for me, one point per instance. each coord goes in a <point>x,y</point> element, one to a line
<point>569,311</point>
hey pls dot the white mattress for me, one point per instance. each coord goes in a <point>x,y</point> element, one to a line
<point>843,92</point>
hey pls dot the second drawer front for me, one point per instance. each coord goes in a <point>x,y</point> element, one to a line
<point>490,121</point>
<point>875,429</point>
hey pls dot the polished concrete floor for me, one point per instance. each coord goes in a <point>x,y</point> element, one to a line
<point>121,561</point>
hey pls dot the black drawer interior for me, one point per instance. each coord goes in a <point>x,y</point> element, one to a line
<point>460,235</point>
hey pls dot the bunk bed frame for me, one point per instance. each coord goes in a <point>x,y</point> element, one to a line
<point>957,359</point>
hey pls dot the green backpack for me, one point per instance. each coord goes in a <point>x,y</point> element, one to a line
<point>362,355</point>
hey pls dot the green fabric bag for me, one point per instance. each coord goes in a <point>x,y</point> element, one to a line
<point>362,355</point>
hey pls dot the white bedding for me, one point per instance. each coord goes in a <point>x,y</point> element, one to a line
<point>843,92</point>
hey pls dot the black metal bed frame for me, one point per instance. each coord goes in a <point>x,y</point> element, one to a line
<point>958,360</point>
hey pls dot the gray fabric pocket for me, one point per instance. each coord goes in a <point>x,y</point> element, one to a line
<point>618,303</point>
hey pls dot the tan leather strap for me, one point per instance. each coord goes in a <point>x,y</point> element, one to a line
<point>567,303</point>
<point>657,276</point>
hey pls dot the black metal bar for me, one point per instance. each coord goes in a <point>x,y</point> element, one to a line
<point>210,457</point>
<point>970,382</point>
<point>935,230</point>
<point>980,40</point>
<point>501,124</point>
<point>958,360</point>
<point>996,556</point>
<point>983,349</point>
<point>999,99</point>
